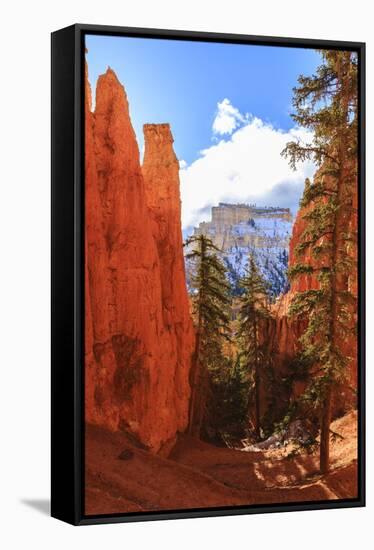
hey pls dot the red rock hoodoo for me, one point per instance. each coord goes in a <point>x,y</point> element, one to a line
<point>139,335</point>
<point>161,181</point>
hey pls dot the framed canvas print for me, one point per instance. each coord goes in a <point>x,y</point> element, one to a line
<point>207,274</point>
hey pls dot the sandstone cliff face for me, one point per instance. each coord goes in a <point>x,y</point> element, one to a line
<point>136,376</point>
<point>162,191</point>
<point>161,183</point>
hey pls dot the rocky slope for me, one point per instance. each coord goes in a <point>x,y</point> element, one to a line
<point>137,317</point>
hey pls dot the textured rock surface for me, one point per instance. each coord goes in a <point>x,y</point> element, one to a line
<point>162,190</point>
<point>136,375</point>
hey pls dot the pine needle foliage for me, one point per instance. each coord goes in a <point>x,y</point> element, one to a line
<point>228,401</point>
<point>211,312</point>
<point>253,313</point>
<point>326,104</point>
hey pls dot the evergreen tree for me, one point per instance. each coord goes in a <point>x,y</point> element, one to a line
<point>228,400</point>
<point>326,103</point>
<point>211,310</point>
<point>253,312</point>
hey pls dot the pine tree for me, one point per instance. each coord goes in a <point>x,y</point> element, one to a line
<point>211,310</point>
<point>253,312</point>
<point>228,399</point>
<point>326,103</point>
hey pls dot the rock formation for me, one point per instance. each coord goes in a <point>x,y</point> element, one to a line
<point>161,181</point>
<point>243,225</point>
<point>240,230</point>
<point>137,317</point>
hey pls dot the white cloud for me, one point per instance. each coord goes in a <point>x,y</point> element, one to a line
<point>182,164</point>
<point>247,167</point>
<point>227,119</point>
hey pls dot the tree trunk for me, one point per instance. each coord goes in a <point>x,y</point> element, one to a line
<point>257,381</point>
<point>257,401</point>
<point>324,457</point>
<point>195,416</point>
<point>338,280</point>
<point>193,425</point>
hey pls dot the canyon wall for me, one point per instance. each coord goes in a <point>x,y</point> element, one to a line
<point>139,335</point>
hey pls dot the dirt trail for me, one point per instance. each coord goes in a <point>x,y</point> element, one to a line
<point>200,475</point>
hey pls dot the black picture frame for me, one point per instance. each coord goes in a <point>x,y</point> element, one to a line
<point>67,386</point>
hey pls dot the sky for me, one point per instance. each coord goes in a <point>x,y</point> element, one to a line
<point>228,106</point>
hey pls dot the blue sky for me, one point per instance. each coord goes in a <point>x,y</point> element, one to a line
<point>218,98</point>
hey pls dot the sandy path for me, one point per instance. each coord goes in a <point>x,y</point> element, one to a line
<point>200,475</point>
